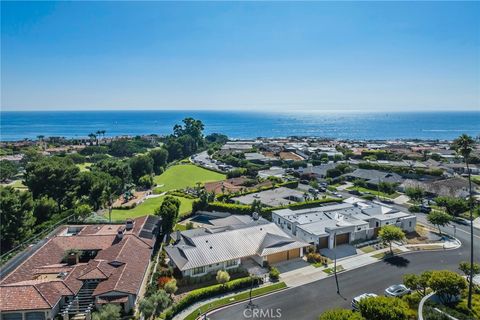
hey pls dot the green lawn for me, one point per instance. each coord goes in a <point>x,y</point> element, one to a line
<point>236,298</point>
<point>375,192</point>
<point>182,176</point>
<point>367,249</point>
<point>331,270</point>
<point>84,166</point>
<point>148,207</point>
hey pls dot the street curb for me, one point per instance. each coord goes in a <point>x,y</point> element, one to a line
<point>240,301</point>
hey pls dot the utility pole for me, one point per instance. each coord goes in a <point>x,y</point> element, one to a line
<point>335,261</point>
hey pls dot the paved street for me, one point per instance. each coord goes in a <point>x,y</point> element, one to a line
<point>308,301</point>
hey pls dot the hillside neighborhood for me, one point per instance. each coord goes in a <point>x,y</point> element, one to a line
<point>169,227</point>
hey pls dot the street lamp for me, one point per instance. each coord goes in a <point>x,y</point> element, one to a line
<point>335,261</point>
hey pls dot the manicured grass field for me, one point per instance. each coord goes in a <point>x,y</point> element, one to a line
<point>148,207</point>
<point>375,192</point>
<point>236,298</point>
<point>186,175</point>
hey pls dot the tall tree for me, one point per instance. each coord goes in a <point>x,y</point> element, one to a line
<point>464,145</point>
<point>44,209</point>
<point>53,177</point>
<point>8,170</point>
<point>168,210</point>
<point>439,219</point>
<point>447,284</point>
<point>391,233</point>
<point>415,193</point>
<point>16,216</point>
<point>160,158</point>
<point>141,165</point>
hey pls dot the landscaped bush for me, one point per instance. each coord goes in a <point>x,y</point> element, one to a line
<point>414,208</point>
<point>208,292</point>
<point>178,193</point>
<point>314,257</point>
<point>274,274</point>
<point>229,207</point>
<point>369,197</point>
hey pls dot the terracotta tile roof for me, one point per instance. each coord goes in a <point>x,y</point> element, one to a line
<point>128,277</point>
<point>116,299</point>
<point>32,294</point>
<point>121,264</point>
<point>25,297</point>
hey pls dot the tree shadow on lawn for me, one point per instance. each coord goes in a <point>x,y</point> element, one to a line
<point>397,261</point>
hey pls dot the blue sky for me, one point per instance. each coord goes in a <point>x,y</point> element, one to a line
<point>385,56</point>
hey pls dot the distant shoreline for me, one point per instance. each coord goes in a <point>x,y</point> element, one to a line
<point>442,125</point>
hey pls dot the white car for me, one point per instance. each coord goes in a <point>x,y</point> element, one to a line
<point>357,299</point>
<point>397,290</point>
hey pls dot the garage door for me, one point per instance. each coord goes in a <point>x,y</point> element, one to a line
<point>323,242</point>
<point>277,257</point>
<point>342,238</point>
<point>294,253</point>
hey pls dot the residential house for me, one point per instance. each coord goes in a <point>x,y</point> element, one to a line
<point>373,177</point>
<point>331,225</point>
<point>231,243</point>
<point>80,268</point>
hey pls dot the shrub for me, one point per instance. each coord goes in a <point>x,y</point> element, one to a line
<point>274,274</point>
<point>207,292</point>
<point>162,281</point>
<point>414,208</point>
<point>314,257</point>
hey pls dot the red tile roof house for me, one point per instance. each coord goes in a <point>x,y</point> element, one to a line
<point>109,264</point>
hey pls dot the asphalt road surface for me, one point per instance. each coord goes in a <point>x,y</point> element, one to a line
<point>309,301</point>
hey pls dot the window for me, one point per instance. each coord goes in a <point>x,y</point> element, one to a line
<point>278,220</point>
<point>289,226</point>
<point>12,316</point>
<point>410,223</point>
<point>198,270</point>
<point>230,263</point>
<point>35,316</point>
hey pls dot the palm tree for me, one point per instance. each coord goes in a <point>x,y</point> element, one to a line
<point>92,137</point>
<point>41,137</point>
<point>464,145</point>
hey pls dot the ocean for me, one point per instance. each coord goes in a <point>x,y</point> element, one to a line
<point>236,124</point>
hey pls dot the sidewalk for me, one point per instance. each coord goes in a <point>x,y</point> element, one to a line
<point>476,223</point>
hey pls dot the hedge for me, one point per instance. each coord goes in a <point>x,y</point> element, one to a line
<point>229,207</point>
<point>288,184</point>
<point>208,292</point>
<point>247,209</point>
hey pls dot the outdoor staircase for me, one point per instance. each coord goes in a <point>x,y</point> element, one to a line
<point>82,303</point>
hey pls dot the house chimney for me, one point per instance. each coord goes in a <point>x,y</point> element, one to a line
<point>178,236</point>
<point>120,234</point>
<point>129,224</point>
<point>72,258</point>
<point>255,216</point>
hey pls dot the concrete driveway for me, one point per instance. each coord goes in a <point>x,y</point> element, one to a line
<point>342,251</point>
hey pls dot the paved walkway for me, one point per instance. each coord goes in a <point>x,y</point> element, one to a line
<point>476,223</point>
<point>401,199</point>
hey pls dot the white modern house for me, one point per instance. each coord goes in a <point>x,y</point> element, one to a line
<point>353,220</point>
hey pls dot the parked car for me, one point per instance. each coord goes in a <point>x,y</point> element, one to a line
<point>425,209</point>
<point>357,299</point>
<point>397,290</point>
